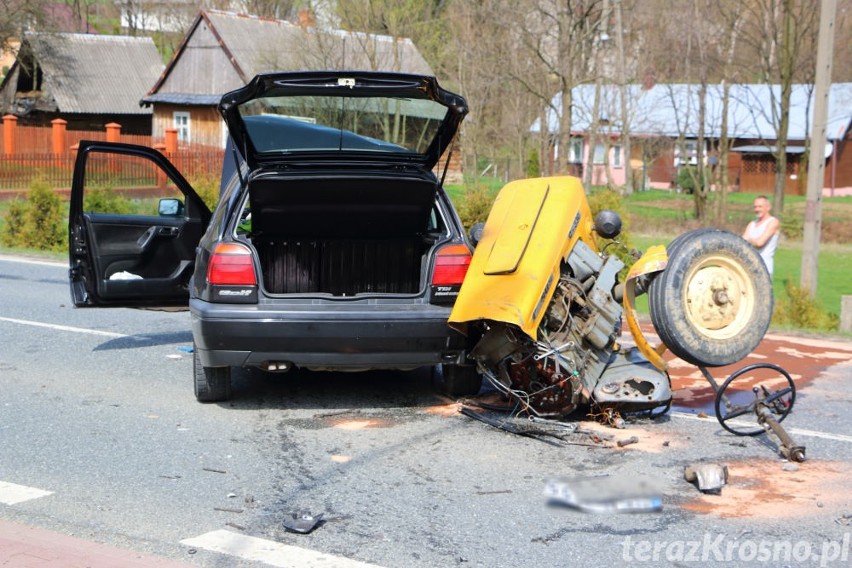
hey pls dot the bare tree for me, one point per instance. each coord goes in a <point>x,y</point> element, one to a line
<point>561,37</point>
<point>734,20</point>
<point>776,35</point>
<point>17,16</point>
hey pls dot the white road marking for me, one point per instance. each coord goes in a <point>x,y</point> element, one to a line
<point>270,552</point>
<point>12,493</point>
<point>754,426</point>
<point>31,261</point>
<point>64,327</point>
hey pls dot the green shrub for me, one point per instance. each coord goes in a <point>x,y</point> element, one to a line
<point>206,185</point>
<point>106,200</point>
<point>39,222</point>
<point>474,205</point>
<point>687,179</point>
<point>799,309</point>
<point>533,168</point>
<point>13,223</point>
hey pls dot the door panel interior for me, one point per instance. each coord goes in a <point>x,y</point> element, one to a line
<point>138,257</point>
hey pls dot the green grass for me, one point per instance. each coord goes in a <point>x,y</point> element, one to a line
<point>456,191</point>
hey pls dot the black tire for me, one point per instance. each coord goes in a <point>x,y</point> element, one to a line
<point>460,380</point>
<point>712,304</point>
<point>212,384</point>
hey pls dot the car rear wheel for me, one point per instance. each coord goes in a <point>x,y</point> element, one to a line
<point>212,384</point>
<point>712,304</point>
<point>460,380</point>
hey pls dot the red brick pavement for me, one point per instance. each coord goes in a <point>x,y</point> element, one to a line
<point>22,546</point>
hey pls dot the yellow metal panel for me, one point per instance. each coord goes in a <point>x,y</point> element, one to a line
<point>654,260</point>
<point>512,241</point>
<point>518,297</point>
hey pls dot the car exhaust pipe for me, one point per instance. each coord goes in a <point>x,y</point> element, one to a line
<point>279,366</point>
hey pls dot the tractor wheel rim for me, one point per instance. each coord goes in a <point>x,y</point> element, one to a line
<point>719,297</point>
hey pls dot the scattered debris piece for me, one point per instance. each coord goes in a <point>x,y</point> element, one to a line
<point>702,415</point>
<point>301,522</point>
<point>711,477</point>
<point>213,470</point>
<point>610,416</point>
<point>185,349</point>
<point>845,520</point>
<point>627,441</point>
<point>666,444</point>
<point>550,433</point>
<point>227,510</point>
<point>236,526</point>
<point>605,494</point>
<point>790,467</point>
<point>174,356</point>
<point>495,492</point>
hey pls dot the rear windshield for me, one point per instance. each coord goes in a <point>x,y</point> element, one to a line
<point>325,123</point>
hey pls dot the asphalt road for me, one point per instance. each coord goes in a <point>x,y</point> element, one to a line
<point>101,439</point>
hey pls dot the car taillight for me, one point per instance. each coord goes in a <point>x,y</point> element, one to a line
<point>451,265</point>
<point>231,265</point>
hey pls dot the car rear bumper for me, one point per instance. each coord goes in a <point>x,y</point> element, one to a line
<point>366,336</point>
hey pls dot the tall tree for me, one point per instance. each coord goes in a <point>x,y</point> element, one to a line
<point>561,37</point>
<point>777,35</point>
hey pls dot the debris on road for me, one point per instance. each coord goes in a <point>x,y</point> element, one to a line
<point>550,432</point>
<point>301,522</point>
<point>710,477</point>
<point>627,441</point>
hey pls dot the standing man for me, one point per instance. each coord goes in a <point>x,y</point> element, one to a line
<point>762,233</point>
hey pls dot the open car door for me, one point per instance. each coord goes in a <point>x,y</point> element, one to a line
<point>134,224</point>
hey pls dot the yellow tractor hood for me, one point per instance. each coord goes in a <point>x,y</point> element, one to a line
<point>532,227</point>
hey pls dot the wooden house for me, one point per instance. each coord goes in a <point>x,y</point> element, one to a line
<point>87,80</point>
<point>223,51</point>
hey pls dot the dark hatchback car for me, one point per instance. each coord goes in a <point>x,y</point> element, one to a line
<point>333,245</point>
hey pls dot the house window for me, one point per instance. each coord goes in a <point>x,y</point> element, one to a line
<point>182,124</point>
<point>616,156</point>
<point>687,154</point>
<point>575,151</point>
<point>600,152</point>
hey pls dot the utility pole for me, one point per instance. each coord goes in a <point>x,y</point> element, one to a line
<point>595,123</point>
<point>625,118</point>
<point>816,159</point>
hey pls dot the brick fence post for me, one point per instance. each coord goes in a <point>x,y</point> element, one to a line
<point>10,121</point>
<point>113,131</point>
<point>58,134</point>
<point>171,141</point>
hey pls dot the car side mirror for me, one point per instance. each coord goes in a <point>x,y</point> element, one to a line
<point>171,207</point>
<point>476,233</point>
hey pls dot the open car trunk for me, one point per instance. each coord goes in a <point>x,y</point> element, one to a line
<point>343,236</point>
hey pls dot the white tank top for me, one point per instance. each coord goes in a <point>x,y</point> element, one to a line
<point>767,252</point>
